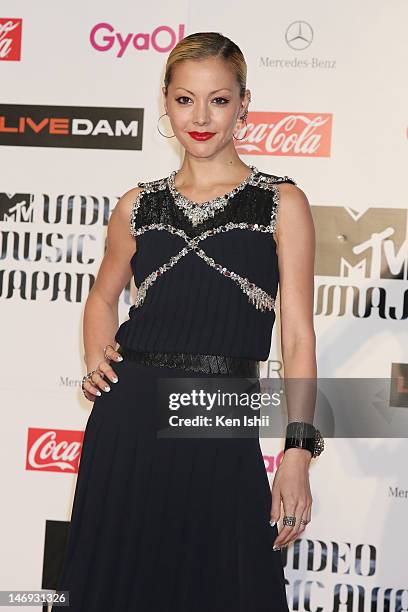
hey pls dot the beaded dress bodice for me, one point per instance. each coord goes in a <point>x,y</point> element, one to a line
<point>207,274</point>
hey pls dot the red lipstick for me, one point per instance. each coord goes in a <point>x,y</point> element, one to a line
<point>201,135</point>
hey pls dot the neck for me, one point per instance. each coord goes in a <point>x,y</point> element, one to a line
<point>205,173</point>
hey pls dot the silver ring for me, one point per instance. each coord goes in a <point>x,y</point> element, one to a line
<point>289,520</point>
<point>302,522</point>
<point>85,378</point>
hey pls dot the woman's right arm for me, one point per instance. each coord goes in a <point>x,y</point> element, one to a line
<point>100,321</point>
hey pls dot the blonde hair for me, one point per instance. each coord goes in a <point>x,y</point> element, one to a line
<point>201,45</point>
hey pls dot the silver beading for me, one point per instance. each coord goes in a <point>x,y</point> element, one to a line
<point>257,296</point>
<point>199,212</point>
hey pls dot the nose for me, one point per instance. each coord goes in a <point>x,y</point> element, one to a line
<point>201,113</point>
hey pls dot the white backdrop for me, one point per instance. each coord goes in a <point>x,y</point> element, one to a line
<point>337,69</point>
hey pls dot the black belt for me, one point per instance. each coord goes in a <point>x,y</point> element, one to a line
<point>207,364</point>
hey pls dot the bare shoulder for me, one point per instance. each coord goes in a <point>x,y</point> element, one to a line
<point>294,215</point>
<point>119,235</point>
<point>293,202</point>
<point>293,196</point>
<point>125,203</point>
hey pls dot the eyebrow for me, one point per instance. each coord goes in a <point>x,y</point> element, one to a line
<point>211,92</point>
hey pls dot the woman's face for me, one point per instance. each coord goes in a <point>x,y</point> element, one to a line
<point>204,105</point>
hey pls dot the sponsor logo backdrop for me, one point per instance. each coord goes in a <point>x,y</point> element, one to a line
<point>78,115</point>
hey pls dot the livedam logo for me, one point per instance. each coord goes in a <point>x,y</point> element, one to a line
<point>83,127</point>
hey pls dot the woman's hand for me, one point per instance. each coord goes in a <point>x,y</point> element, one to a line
<point>291,486</point>
<point>92,386</point>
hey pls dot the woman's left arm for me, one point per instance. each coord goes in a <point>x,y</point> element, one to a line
<point>295,238</point>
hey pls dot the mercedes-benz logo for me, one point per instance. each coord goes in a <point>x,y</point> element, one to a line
<point>299,35</point>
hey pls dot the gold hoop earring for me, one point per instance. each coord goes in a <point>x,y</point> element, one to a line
<point>244,117</point>
<point>158,129</point>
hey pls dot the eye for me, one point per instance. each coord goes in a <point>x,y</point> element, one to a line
<point>182,98</point>
<point>219,101</point>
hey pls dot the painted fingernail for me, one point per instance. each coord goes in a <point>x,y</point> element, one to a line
<point>272,523</point>
<point>119,358</point>
<point>98,393</point>
<point>107,388</point>
<point>276,548</point>
<point>115,380</point>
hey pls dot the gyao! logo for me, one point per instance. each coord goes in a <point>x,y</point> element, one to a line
<point>82,127</point>
<point>10,39</point>
<point>286,134</point>
<point>53,450</point>
<point>361,261</point>
<point>104,37</point>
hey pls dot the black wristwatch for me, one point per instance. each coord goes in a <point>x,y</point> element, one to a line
<point>300,434</point>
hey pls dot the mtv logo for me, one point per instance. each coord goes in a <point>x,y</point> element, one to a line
<point>18,208</point>
<point>361,244</point>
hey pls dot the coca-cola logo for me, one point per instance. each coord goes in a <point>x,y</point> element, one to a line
<point>53,450</point>
<point>10,39</point>
<point>295,134</point>
<point>104,37</point>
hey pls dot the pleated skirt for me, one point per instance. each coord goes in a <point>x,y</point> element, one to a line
<point>167,524</point>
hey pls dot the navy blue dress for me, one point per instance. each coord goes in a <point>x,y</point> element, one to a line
<point>182,524</point>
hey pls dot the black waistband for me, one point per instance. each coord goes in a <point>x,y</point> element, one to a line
<point>207,364</point>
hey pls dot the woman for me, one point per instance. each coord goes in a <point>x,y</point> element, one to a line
<point>191,524</point>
